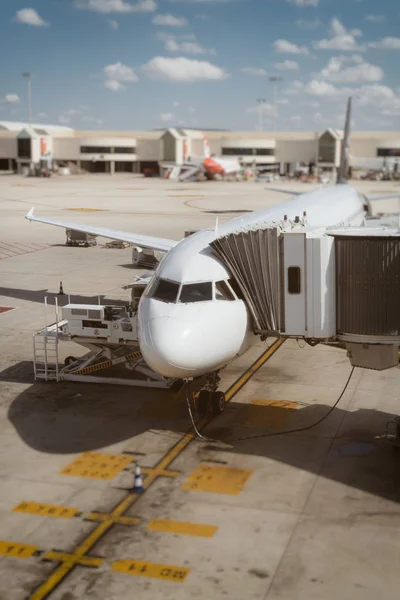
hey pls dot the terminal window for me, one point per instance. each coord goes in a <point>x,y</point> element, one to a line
<point>24,148</point>
<point>95,150</point>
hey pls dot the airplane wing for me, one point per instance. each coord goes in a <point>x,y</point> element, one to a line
<point>284,191</point>
<point>382,196</point>
<point>143,241</point>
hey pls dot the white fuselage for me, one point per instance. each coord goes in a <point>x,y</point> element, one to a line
<point>187,326</point>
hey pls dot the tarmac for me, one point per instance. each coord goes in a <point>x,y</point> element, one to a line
<point>301,516</point>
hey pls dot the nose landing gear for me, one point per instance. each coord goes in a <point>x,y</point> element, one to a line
<point>210,398</point>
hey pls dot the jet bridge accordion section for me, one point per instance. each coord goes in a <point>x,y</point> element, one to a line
<point>368,286</point>
<point>253,257</point>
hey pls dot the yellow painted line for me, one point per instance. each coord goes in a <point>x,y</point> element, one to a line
<point>95,465</point>
<point>96,516</point>
<point>276,403</point>
<point>64,569</point>
<point>237,386</point>
<point>16,549</point>
<point>162,472</point>
<point>266,414</point>
<point>182,528</point>
<point>46,510</point>
<point>220,480</point>
<point>148,569</point>
<point>73,559</point>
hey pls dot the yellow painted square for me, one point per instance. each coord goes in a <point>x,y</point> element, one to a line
<point>265,414</point>
<point>182,527</point>
<point>46,510</point>
<point>16,549</point>
<point>96,465</point>
<point>148,569</point>
<point>221,480</point>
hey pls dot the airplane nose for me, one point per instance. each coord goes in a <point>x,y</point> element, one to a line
<point>172,348</point>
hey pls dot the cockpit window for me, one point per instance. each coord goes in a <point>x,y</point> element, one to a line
<point>164,290</point>
<point>222,291</point>
<point>196,292</point>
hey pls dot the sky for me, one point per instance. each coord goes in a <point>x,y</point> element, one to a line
<point>148,64</point>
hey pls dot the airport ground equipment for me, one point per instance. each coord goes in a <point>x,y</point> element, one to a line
<point>80,238</point>
<point>107,331</point>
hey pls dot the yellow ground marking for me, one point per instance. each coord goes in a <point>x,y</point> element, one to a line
<point>46,510</point>
<point>95,465</point>
<point>182,528</point>
<point>65,568</point>
<point>266,414</point>
<point>88,209</point>
<point>96,516</point>
<point>161,472</point>
<point>221,480</point>
<point>241,382</point>
<point>17,550</point>
<point>148,569</point>
<point>73,559</point>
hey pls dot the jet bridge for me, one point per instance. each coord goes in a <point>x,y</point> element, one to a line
<point>322,285</point>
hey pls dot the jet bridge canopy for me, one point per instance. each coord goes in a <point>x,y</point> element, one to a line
<point>253,257</point>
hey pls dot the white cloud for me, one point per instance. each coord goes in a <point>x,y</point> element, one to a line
<point>309,23</point>
<point>295,88</point>
<point>192,109</point>
<point>286,47</point>
<point>42,115</point>
<point>184,43</point>
<point>375,18</point>
<point>256,71</point>
<point>176,103</point>
<point>304,2</point>
<point>386,43</point>
<point>114,24</point>
<point>287,65</point>
<point>295,118</point>
<point>284,101</point>
<point>12,99</point>
<point>29,16</point>
<point>351,69</point>
<point>321,88</point>
<point>170,21</point>
<point>117,6</point>
<point>166,116</point>
<point>340,39</point>
<point>182,69</point>
<point>64,119</point>
<point>117,74</point>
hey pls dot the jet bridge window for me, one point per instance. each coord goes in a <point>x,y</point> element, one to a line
<point>222,291</point>
<point>164,290</point>
<point>294,279</point>
<point>196,292</point>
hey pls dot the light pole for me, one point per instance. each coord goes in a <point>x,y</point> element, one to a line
<point>28,76</point>
<point>260,102</point>
<point>275,79</point>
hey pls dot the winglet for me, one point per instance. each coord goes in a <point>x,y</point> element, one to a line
<point>30,214</point>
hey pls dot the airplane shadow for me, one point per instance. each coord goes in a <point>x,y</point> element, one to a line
<point>66,417</point>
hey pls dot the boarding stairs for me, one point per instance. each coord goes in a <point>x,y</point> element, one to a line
<point>45,347</point>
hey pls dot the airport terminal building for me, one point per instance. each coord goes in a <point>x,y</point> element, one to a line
<point>23,145</point>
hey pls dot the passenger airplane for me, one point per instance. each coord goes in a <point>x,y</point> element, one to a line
<point>192,318</point>
<point>212,166</point>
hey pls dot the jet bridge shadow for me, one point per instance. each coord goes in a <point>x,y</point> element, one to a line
<point>62,299</point>
<point>66,417</point>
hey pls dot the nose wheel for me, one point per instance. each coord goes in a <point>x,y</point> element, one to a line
<point>208,400</point>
